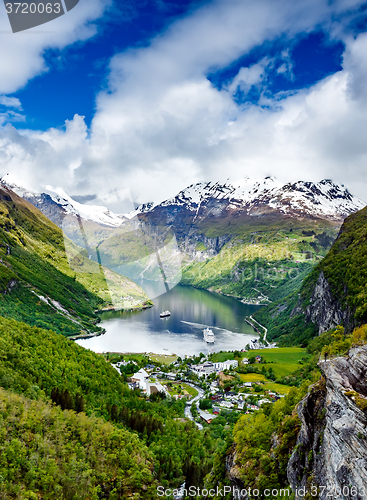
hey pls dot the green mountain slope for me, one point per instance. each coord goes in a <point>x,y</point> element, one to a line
<point>263,261</point>
<point>49,453</point>
<point>335,292</point>
<point>46,286</point>
<point>345,268</point>
<point>40,365</point>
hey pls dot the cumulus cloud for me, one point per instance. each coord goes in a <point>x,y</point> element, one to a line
<point>40,158</point>
<point>247,77</point>
<point>162,125</point>
<point>10,102</point>
<point>21,54</point>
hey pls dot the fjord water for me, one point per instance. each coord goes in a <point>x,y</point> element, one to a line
<point>191,309</point>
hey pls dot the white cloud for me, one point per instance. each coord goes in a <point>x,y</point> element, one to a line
<point>10,102</point>
<point>162,125</point>
<point>247,77</point>
<point>21,54</point>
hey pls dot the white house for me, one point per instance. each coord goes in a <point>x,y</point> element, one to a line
<point>148,387</point>
<point>140,378</point>
<point>225,404</point>
<point>262,401</point>
<point>226,365</point>
<point>207,417</point>
<point>203,370</point>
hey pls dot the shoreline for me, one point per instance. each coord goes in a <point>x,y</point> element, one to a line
<point>243,300</point>
<point>107,309</point>
<point>122,309</point>
<point>87,335</point>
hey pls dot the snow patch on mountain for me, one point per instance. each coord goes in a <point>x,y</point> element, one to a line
<point>320,199</point>
<point>93,213</point>
<point>9,181</point>
<point>323,199</point>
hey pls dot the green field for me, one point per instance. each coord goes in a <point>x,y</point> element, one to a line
<point>179,388</point>
<point>279,388</point>
<point>253,377</point>
<point>193,392</point>
<point>280,369</point>
<point>139,358</point>
<point>165,359</point>
<point>219,357</point>
<point>281,355</point>
<point>283,361</point>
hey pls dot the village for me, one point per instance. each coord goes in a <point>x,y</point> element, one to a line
<point>209,388</point>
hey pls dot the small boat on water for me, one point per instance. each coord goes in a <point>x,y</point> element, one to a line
<point>165,314</point>
<point>208,336</point>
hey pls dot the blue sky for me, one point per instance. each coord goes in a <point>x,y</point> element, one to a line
<point>145,97</point>
<point>77,73</point>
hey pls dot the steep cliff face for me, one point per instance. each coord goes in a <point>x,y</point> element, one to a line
<point>233,473</point>
<point>331,449</point>
<point>333,293</point>
<point>325,309</point>
<point>200,248</point>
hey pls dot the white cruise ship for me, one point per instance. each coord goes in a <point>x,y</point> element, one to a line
<point>165,314</point>
<point>208,336</point>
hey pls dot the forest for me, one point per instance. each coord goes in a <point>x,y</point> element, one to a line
<point>57,384</point>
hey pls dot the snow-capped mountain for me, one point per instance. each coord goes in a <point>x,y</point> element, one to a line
<point>203,219</point>
<point>59,204</point>
<point>322,199</point>
<point>95,213</point>
<point>247,197</point>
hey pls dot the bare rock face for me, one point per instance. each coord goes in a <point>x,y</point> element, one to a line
<point>324,309</point>
<point>233,473</point>
<point>331,449</point>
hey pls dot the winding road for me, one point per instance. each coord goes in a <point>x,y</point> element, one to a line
<point>195,401</point>
<point>261,326</point>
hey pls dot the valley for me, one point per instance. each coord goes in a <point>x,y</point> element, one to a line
<point>37,283</point>
<point>256,241</point>
<point>228,416</point>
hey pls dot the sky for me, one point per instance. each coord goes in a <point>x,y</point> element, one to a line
<point>120,102</point>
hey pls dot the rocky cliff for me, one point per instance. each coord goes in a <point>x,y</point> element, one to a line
<point>324,308</point>
<point>334,293</point>
<point>331,448</point>
<point>336,288</point>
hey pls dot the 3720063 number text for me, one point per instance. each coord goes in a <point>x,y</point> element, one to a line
<point>32,8</point>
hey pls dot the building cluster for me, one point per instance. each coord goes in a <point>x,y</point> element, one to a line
<point>257,344</point>
<point>232,400</point>
<point>207,368</point>
<point>146,380</point>
<point>143,381</point>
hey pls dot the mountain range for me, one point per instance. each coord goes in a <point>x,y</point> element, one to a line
<point>285,254</point>
<point>323,199</point>
<point>256,239</point>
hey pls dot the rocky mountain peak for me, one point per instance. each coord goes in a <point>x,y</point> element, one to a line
<point>323,199</point>
<point>250,197</point>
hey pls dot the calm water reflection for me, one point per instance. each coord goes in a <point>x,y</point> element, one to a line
<point>191,311</point>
